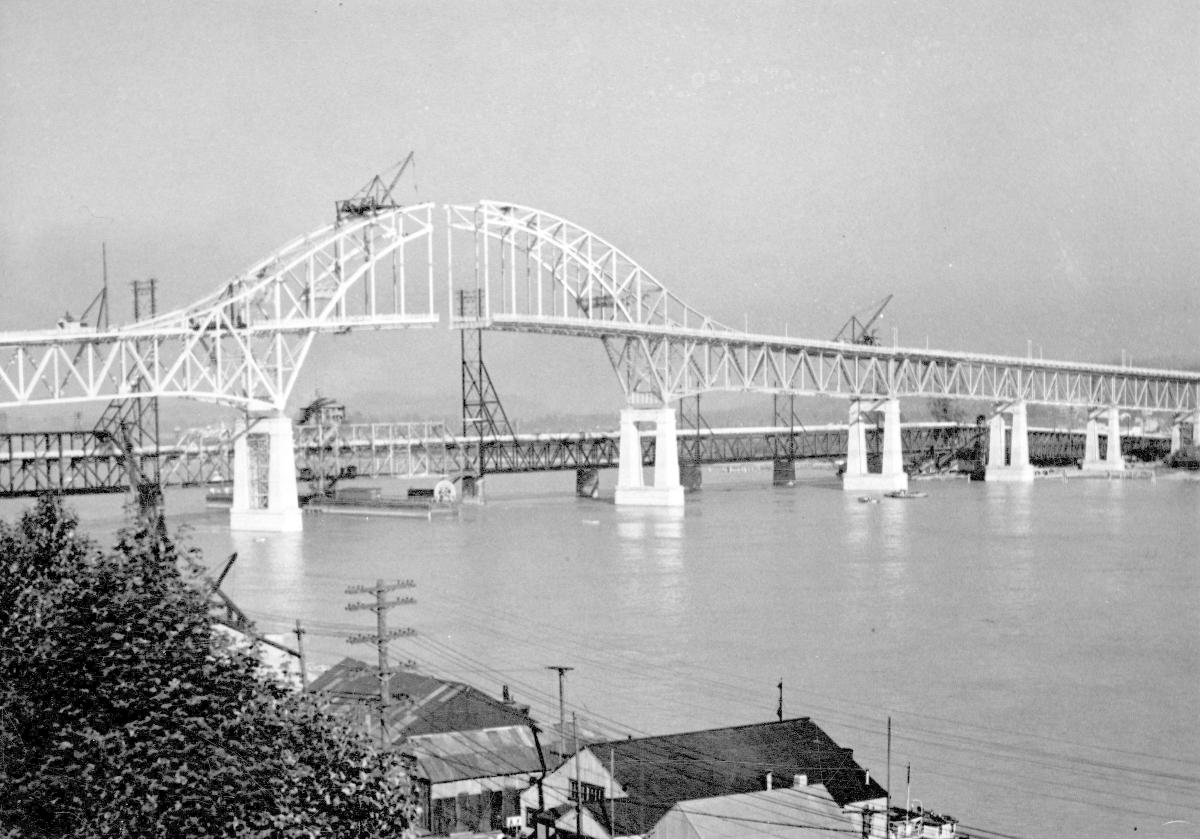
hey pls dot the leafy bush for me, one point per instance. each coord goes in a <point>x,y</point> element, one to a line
<point>122,714</point>
<point>1186,458</point>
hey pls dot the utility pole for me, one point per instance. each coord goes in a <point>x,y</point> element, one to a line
<point>299,631</point>
<point>908,789</point>
<point>779,710</point>
<point>382,636</point>
<point>562,708</point>
<point>887,818</point>
<point>578,785</point>
<point>612,779</point>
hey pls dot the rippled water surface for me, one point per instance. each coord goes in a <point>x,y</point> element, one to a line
<point>1037,647</point>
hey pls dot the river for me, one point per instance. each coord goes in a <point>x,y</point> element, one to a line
<point>1037,647</point>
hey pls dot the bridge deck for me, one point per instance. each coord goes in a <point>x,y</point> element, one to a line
<point>73,463</point>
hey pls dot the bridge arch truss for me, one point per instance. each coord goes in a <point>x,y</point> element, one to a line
<point>536,272</point>
<point>525,270</point>
<point>244,344</point>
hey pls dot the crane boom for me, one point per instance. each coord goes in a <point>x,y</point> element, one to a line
<point>860,330</point>
<point>377,195</point>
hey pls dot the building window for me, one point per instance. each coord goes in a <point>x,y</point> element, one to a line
<point>496,812</point>
<point>590,792</point>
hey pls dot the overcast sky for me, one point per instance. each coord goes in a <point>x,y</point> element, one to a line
<point>1011,171</point>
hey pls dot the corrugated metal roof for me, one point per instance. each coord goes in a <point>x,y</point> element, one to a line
<point>460,755</point>
<point>423,704</point>
<point>797,813</point>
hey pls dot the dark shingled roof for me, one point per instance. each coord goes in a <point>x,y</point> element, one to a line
<point>658,772</point>
<point>425,704</point>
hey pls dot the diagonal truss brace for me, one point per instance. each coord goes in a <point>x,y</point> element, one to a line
<point>244,344</point>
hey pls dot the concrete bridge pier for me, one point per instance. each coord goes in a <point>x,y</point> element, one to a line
<point>666,491</point>
<point>1091,442</point>
<point>783,472</point>
<point>587,482</point>
<point>1180,420</point>
<point>690,476</point>
<point>1015,468</point>
<point>264,477</point>
<point>1112,462</point>
<point>472,489</point>
<point>891,476</point>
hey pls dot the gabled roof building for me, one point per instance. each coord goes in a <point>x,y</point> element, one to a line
<point>798,812</point>
<point>474,753</point>
<point>625,787</point>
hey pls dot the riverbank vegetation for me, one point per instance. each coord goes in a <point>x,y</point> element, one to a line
<point>1186,458</point>
<point>123,714</point>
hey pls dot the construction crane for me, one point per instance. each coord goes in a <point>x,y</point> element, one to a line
<point>325,415</point>
<point>99,303</point>
<point>859,331</point>
<point>377,195</point>
<point>322,410</point>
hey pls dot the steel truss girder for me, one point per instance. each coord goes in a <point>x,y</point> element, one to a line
<point>537,272</point>
<point>72,462</point>
<point>655,365</point>
<point>403,450</point>
<point>243,344</point>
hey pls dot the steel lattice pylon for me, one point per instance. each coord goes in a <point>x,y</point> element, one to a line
<point>784,415</point>
<point>483,415</point>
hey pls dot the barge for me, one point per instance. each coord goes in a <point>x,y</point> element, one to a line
<point>439,502</point>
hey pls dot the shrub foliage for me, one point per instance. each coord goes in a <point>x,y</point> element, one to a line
<point>122,713</point>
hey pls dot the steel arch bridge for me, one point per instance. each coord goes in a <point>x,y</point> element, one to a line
<point>515,268</point>
<point>524,270</point>
<point>536,272</point>
<point>244,344</point>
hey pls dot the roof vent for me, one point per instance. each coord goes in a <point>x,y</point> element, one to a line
<point>770,780</point>
<point>800,781</point>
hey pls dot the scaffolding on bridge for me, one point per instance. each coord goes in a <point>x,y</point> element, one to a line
<point>483,416</point>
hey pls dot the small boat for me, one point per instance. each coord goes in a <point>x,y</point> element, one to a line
<point>904,493</point>
<point>867,499</point>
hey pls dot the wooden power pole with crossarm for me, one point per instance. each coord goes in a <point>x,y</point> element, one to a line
<point>382,636</point>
